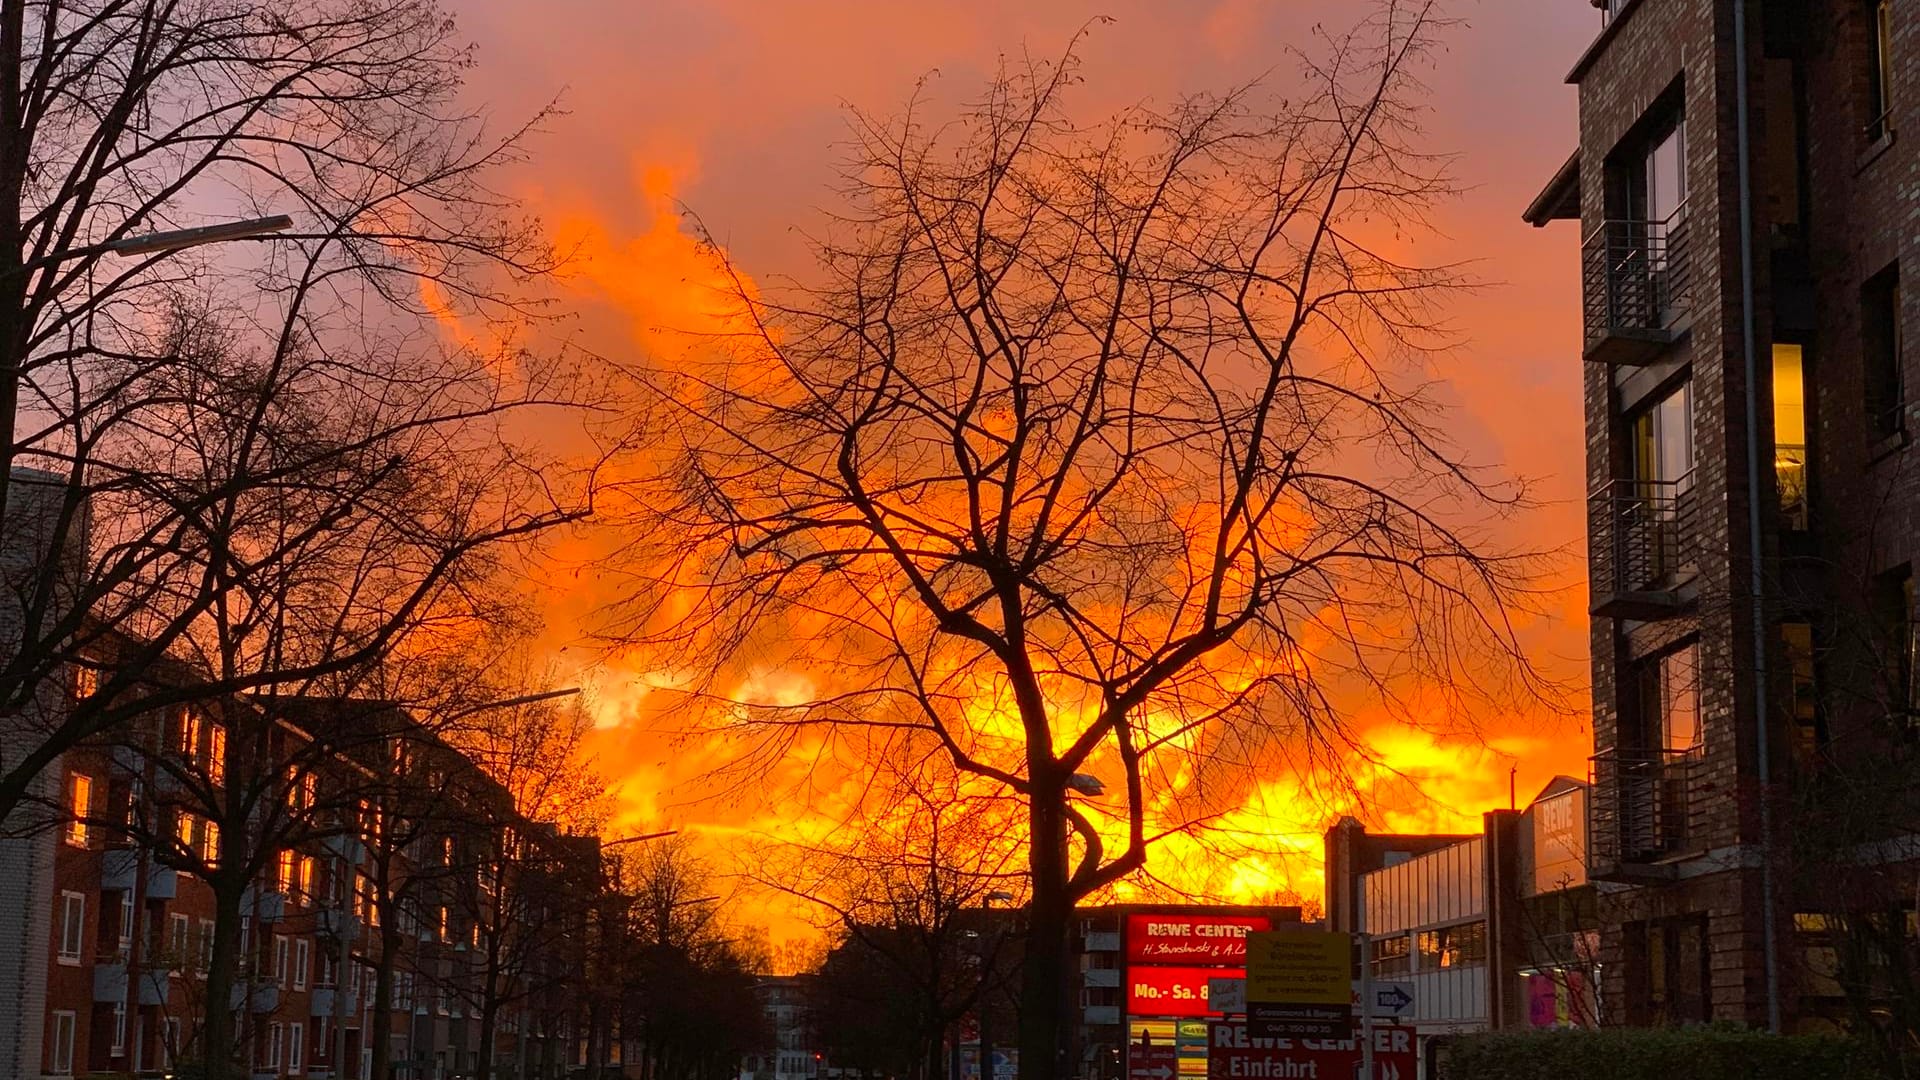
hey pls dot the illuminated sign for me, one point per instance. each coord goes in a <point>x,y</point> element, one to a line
<point>1191,939</point>
<point>1171,991</point>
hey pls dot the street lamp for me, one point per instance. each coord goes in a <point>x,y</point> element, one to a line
<point>1086,784</point>
<point>176,239</point>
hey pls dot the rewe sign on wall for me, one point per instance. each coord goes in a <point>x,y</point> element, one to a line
<point>1233,1055</point>
<point>1191,939</point>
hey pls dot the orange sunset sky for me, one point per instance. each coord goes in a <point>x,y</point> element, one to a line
<point>732,108</point>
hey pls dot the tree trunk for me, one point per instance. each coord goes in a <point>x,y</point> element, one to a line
<point>489,1016</point>
<point>381,1022</point>
<point>217,1034</point>
<point>1043,976</point>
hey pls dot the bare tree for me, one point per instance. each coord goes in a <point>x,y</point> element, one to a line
<point>907,897</point>
<point>196,431</point>
<point>1097,449</point>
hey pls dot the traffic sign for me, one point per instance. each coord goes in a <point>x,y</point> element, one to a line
<point>1390,999</point>
<point>1233,1054</point>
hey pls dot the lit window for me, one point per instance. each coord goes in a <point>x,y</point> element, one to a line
<point>303,882</point>
<point>86,682</point>
<point>1790,434</point>
<point>80,807</point>
<point>289,866</point>
<point>217,754</point>
<point>183,831</point>
<point>188,741</point>
<point>210,843</point>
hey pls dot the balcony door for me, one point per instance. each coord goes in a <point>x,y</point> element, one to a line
<point>1655,519</point>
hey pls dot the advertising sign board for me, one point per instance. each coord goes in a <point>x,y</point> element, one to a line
<point>1191,939</point>
<point>1232,1054</point>
<point>1300,983</point>
<point>1172,991</point>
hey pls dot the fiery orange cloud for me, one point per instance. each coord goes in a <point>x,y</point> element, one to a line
<point>732,105</point>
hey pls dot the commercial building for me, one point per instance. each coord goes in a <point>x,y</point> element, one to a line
<point>1144,976</point>
<point>1745,184</point>
<point>1486,931</point>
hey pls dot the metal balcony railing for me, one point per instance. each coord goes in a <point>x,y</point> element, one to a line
<point>1642,811</point>
<point>1644,546</point>
<point>1637,279</point>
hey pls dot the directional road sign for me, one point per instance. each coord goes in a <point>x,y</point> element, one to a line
<point>1391,1000</point>
<point>1148,1060</point>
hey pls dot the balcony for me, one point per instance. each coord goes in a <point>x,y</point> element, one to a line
<point>350,848</point>
<point>120,866</point>
<point>110,983</point>
<point>337,924</point>
<point>1102,977</point>
<point>264,905</point>
<point>1642,813</point>
<point>1644,548</point>
<point>260,997</point>
<point>1637,279</point>
<point>326,1000</point>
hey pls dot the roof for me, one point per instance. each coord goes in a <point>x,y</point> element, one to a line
<point>1560,199</point>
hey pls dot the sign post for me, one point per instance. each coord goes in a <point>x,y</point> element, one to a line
<point>1300,984</point>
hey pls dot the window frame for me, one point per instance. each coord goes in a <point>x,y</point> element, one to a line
<point>79,832</point>
<point>58,1047</point>
<point>73,925</point>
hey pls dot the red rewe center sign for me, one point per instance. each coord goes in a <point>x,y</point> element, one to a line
<point>1191,939</point>
<point>1173,991</point>
<point>1232,1055</point>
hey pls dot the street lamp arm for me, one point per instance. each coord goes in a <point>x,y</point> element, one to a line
<point>168,240</point>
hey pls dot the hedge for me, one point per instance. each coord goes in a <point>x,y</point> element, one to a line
<point>1695,1053</point>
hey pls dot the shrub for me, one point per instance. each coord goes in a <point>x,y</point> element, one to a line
<point>1721,1052</point>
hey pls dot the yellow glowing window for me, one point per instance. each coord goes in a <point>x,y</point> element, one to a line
<point>1790,433</point>
<point>80,804</point>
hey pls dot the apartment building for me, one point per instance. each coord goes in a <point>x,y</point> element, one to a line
<point>1744,185</point>
<point>376,847</point>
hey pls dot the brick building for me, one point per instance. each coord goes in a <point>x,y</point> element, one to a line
<point>1745,193</point>
<point>470,905</point>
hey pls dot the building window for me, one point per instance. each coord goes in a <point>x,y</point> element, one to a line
<point>1898,641</point>
<point>84,681</point>
<point>126,922</point>
<point>1392,955</point>
<point>119,1046</point>
<point>296,1048</point>
<point>60,1053</point>
<point>303,881</point>
<point>276,1039</point>
<point>1790,434</point>
<point>1660,443</point>
<point>280,966</point>
<point>187,736</point>
<point>79,808</point>
<point>177,948</point>
<point>73,926</point>
<point>301,959</point>
<point>1879,68</point>
<point>206,945</point>
<point>170,1042</point>
<point>1880,341</point>
<point>1453,947</point>
<point>210,843</point>
<point>1665,700</point>
<point>289,863</point>
<point>217,754</point>
<point>1669,978</point>
<point>1801,702</point>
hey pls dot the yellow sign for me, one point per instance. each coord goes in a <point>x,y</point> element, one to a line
<point>1299,967</point>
